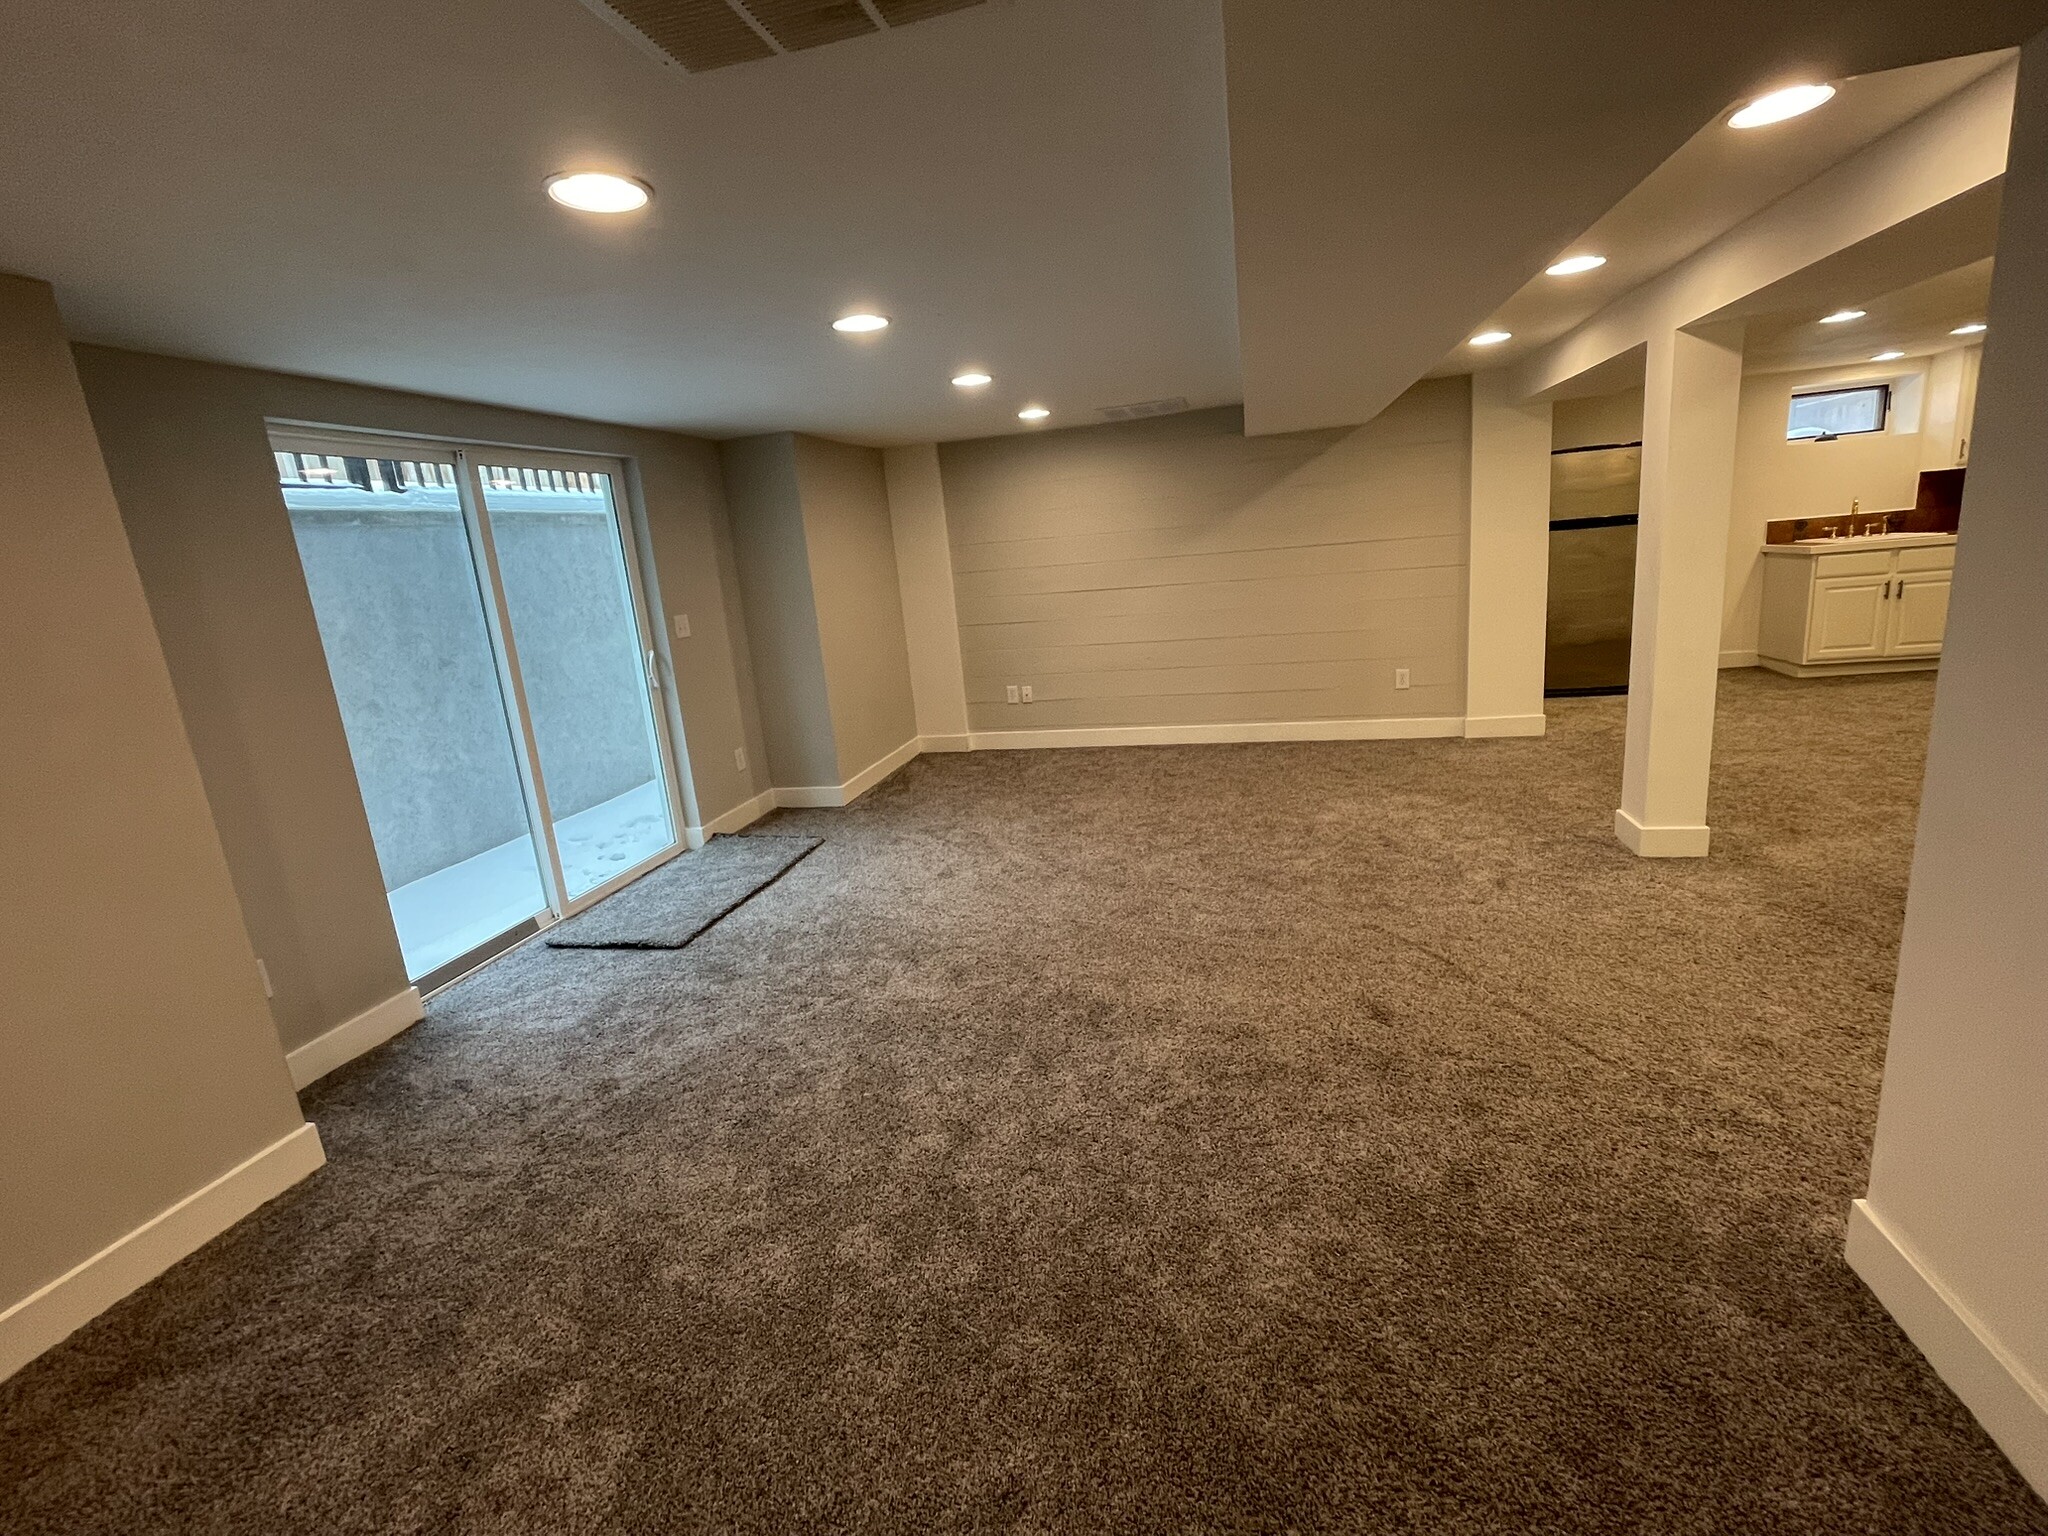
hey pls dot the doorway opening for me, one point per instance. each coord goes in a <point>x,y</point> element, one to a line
<point>486,633</point>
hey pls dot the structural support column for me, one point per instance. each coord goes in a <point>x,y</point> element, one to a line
<point>1693,391</point>
<point>1508,575</point>
<point>924,570</point>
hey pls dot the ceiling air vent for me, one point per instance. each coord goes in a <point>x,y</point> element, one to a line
<point>798,24</point>
<point>901,13</point>
<point>1171,407</point>
<point>710,34</point>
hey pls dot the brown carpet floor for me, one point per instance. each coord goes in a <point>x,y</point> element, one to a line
<point>1320,1138</point>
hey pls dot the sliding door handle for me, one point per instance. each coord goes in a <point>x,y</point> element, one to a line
<point>653,670</point>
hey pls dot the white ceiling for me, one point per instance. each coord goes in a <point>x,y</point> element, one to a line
<point>1915,280</point>
<point>1916,320</point>
<point>1718,178</point>
<point>1039,188</point>
<point>1399,173</point>
<point>1035,187</point>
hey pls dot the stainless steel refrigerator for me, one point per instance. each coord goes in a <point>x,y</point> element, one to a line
<point>1593,502</point>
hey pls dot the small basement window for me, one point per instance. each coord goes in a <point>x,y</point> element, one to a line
<point>1831,413</point>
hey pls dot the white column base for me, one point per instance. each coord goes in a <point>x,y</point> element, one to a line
<point>1504,725</point>
<point>1660,842</point>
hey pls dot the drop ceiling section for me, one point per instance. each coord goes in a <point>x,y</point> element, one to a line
<point>1718,179</point>
<point>1916,319</point>
<point>1398,173</point>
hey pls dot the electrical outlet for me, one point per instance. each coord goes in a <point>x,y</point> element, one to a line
<point>1010,692</point>
<point>1026,692</point>
<point>739,758</point>
<point>682,626</point>
<point>1400,677</point>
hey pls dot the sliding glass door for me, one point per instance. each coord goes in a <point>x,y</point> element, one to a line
<point>486,636</point>
<point>569,596</point>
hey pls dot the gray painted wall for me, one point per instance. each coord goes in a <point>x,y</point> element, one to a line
<point>140,1063</point>
<point>817,559</point>
<point>1174,571</point>
<point>774,561</point>
<point>859,606</point>
<point>1960,1165</point>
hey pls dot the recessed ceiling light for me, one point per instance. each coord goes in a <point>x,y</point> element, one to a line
<point>598,192</point>
<point>1974,328</point>
<point>972,380</point>
<point>1887,357</point>
<point>1572,266</point>
<point>1793,101</point>
<point>1843,316</point>
<point>860,325</point>
<point>1492,338</point>
<point>1033,413</point>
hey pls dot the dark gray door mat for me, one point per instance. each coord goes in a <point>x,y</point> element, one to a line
<point>669,908</point>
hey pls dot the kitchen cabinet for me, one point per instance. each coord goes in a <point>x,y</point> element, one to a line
<point>1919,612</point>
<point>1877,604</point>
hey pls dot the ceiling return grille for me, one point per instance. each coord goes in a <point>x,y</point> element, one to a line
<point>710,34</point>
<point>1143,408</point>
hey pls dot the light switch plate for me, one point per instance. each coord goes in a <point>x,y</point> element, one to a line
<point>682,626</point>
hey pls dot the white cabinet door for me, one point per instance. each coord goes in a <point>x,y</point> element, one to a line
<point>1848,618</point>
<point>1919,613</point>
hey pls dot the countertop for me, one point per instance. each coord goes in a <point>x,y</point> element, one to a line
<point>1867,541</point>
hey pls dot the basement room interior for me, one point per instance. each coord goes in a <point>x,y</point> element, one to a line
<point>1009,765</point>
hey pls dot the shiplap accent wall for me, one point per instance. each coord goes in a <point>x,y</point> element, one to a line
<point>1175,572</point>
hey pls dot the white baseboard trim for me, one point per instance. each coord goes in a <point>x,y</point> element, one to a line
<point>1388,729</point>
<point>47,1316</point>
<point>880,769</point>
<point>745,814</point>
<point>365,1032</point>
<point>1850,668</point>
<point>815,796</point>
<point>2003,1395</point>
<point>1661,842</point>
<point>1505,725</point>
<point>1738,659</point>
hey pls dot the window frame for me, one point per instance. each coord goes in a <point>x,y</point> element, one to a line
<point>1882,388</point>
